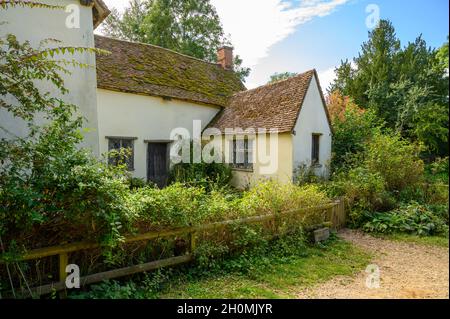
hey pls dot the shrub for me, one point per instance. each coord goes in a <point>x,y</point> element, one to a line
<point>274,197</point>
<point>412,218</point>
<point>210,176</point>
<point>437,171</point>
<point>353,127</point>
<point>173,206</point>
<point>396,160</point>
<point>135,183</point>
<point>304,174</point>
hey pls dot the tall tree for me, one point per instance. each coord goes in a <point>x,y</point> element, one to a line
<point>191,27</point>
<point>400,84</point>
<point>281,76</point>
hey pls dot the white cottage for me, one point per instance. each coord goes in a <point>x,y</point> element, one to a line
<point>139,93</point>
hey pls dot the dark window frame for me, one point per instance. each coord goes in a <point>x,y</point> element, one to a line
<point>247,165</point>
<point>122,142</point>
<point>315,149</point>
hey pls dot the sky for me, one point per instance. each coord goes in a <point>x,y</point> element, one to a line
<point>299,35</point>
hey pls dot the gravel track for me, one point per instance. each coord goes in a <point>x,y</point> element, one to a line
<point>407,270</point>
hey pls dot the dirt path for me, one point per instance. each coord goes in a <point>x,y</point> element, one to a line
<point>407,270</point>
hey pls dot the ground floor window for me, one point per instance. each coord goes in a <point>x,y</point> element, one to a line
<point>242,153</point>
<point>120,143</point>
<point>315,149</point>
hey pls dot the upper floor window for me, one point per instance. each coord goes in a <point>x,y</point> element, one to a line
<point>120,143</point>
<point>242,153</point>
<point>315,149</point>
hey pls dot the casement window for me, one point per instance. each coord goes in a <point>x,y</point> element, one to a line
<point>117,144</point>
<point>315,149</point>
<point>242,153</point>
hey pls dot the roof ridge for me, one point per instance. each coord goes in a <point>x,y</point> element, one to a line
<point>277,82</point>
<point>158,47</point>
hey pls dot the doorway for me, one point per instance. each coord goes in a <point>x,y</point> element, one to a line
<point>157,163</point>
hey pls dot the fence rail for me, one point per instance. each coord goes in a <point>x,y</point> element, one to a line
<point>336,216</point>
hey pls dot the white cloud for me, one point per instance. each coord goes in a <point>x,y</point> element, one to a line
<point>326,77</point>
<point>256,25</point>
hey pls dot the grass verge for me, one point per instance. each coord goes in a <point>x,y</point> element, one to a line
<point>281,279</point>
<point>258,276</point>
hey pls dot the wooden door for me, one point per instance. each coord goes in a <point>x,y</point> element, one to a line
<point>157,163</point>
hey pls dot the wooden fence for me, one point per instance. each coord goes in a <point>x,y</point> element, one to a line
<point>335,215</point>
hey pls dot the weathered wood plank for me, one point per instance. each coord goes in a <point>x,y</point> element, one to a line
<point>116,273</point>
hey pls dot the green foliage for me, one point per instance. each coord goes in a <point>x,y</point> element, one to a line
<point>207,175</point>
<point>304,174</point>
<point>45,179</point>
<point>412,219</point>
<point>281,76</point>
<point>181,206</point>
<point>147,288</point>
<point>136,183</point>
<point>208,255</point>
<point>275,197</point>
<point>438,170</point>
<point>430,126</point>
<point>351,135</point>
<point>275,273</point>
<point>387,169</point>
<point>396,160</point>
<point>190,27</point>
<point>407,87</point>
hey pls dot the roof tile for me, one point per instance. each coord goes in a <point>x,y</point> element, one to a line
<point>275,106</point>
<point>147,69</point>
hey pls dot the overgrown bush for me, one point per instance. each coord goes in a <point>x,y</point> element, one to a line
<point>395,159</point>
<point>364,190</point>
<point>353,127</point>
<point>304,174</point>
<point>51,191</point>
<point>181,206</point>
<point>210,176</point>
<point>377,179</point>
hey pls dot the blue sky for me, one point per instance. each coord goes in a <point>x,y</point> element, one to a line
<point>323,42</point>
<point>298,35</point>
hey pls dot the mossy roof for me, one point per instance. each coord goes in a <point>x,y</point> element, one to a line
<point>147,69</point>
<point>274,106</point>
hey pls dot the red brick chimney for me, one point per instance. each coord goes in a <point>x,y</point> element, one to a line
<point>225,57</point>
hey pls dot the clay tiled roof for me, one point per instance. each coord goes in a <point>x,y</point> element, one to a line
<point>152,70</point>
<point>273,106</point>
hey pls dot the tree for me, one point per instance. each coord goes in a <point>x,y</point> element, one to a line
<point>353,127</point>
<point>128,26</point>
<point>191,27</point>
<point>400,84</point>
<point>281,76</point>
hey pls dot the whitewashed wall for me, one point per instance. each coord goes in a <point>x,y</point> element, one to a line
<point>312,119</point>
<point>145,118</point>
<point>36,24</point>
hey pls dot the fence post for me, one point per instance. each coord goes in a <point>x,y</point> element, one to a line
<point>193,242</point>
<point>63,262</point>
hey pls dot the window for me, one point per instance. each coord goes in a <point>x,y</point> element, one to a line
<point>116,144</point>
<point>315,150</point>
<point>242,153</point>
